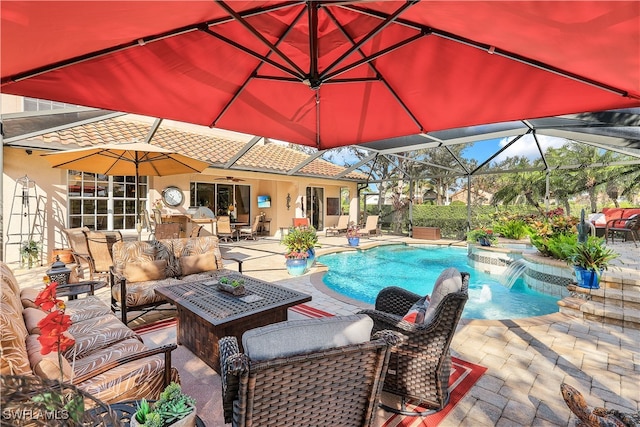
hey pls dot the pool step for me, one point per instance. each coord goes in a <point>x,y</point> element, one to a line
<point>617,302</point>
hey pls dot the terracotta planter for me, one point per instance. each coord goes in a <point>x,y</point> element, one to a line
<point>66,255</point>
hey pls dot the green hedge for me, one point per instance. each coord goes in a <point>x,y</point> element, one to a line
<point>452,219</point>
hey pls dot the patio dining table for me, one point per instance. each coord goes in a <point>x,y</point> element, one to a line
<point>206,313</point>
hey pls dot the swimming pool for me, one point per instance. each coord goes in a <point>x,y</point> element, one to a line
<point>362,274</point>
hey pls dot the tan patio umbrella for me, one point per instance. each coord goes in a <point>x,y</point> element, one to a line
<point>132,159</point>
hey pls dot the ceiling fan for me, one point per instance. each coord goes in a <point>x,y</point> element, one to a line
<point>229,179</point>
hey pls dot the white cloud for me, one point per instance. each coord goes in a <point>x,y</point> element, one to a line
<point>526,146</point>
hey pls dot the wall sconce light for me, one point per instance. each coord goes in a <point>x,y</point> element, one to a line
<point>288,201</point>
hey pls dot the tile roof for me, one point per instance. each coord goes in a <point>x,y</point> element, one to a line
<point>214,149</point>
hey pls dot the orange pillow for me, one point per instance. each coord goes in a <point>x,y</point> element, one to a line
<point>417,311</point>
<point>198,263</point>
<point>143,271</point>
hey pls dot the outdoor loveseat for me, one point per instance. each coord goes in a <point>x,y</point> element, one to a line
<point>108,361</point>
<point>142,266</point>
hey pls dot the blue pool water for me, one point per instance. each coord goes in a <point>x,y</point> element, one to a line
<point>362,274</point>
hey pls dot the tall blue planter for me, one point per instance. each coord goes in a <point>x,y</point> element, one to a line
<point>312,258</point>
<point>296,267</point>
<point>353,241</point>
<point>587,278</point>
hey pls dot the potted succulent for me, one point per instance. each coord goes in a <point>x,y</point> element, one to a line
<point>232,286</point>
<point>172,408</point>
<point>482,235</point>
<point>352,234</point>
<point>589,260</point>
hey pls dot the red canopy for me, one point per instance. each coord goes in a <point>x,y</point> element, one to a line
<point>326,74</point>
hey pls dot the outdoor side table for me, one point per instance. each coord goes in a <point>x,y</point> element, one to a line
<point>72,290</point>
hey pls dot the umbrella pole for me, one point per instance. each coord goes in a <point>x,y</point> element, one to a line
<point>137,207</point>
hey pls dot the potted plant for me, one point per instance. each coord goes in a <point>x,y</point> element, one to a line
<point>589,260</point>
<point>297,242</point>
<point>352,234</point>
<point>232,286</point>
<point>482,235</point>
<point>172,408</point>
<point>30,252</point>
<point>310,240</point>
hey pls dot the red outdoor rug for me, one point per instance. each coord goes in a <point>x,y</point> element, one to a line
<point>463,376</point>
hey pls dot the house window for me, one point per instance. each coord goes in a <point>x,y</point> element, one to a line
<point>103,202</point>
<point>218,198</point>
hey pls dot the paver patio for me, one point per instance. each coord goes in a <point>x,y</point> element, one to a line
<point>527,359</point>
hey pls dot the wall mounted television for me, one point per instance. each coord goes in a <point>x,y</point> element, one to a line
<point>264,201</point>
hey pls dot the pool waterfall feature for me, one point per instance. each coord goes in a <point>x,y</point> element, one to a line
<point>543,274</point>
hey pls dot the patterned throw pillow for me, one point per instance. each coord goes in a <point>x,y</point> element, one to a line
<point>417,311</point>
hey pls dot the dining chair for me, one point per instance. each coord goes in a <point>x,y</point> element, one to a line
<point>250,232</point>
<point>224,230</point>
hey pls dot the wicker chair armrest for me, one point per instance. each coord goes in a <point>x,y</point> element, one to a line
<point>393,322</point>
<point>165,349</point>
<point>395,300</point>
<point>232,364</point>
<point>619,223</point>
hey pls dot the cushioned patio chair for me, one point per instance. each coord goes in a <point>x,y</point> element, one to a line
<point>300,222</point>
<point>312,372</point>
<point>370,227</point>
<point>340,227</point>
<point>626,227</point>
<point>419,368</point>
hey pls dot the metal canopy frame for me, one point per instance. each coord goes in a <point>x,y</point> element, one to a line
<point>617,131</point>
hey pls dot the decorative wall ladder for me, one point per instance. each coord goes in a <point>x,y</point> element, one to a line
<point>26,220</point>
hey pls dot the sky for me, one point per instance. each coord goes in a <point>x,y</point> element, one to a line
<point>482,150</point>
<point>526,147</point>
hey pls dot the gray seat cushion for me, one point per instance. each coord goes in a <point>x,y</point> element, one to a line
<point>302,336</point>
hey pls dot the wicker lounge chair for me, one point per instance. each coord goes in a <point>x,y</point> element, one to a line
<point>419,368</point>
<point>341,227</point>
<point>330,383</point>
